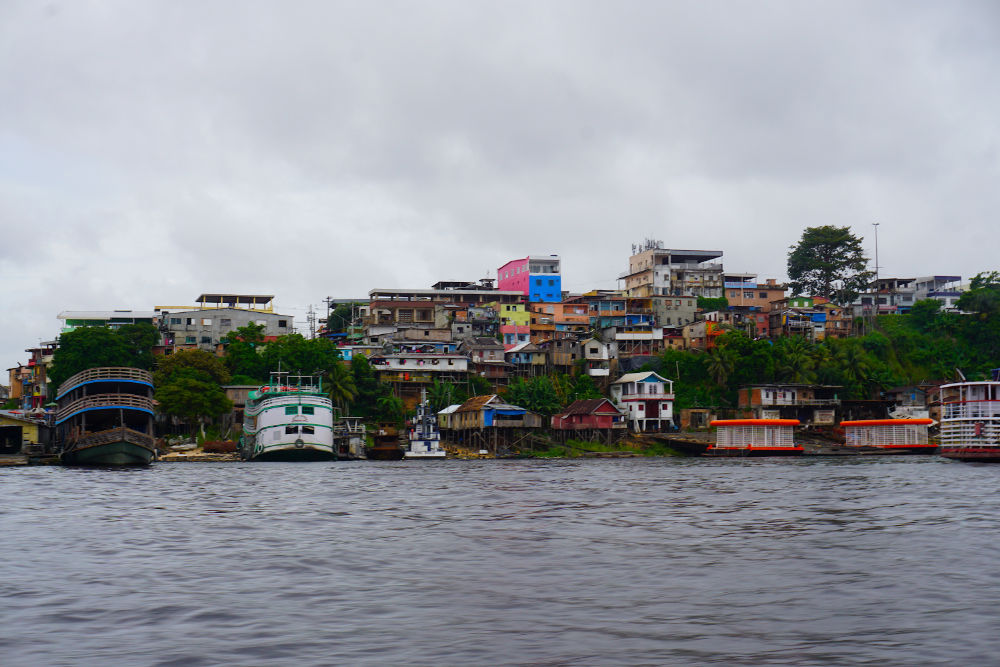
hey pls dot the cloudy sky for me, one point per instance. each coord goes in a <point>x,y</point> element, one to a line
<point>153,151</point>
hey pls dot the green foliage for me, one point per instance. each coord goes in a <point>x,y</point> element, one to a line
<point>983,297</point>
<point>389,409</point>
<point>710,304</point>
<point>479,386</point>
<point>297,354</point>
<point>369,389</point>
<point>340,318</point>
<point>191,363</point>
<point>443,394</point>
<point>925,315</point>
<point>537,394</point>
<point>93,347</point>
<point>340,385</point>
<point>188,386</point>
<point>243,353</point>
<point>830,262</point>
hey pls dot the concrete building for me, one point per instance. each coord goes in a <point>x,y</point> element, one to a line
<point>657,271</point>
<point>206,325</point>
<point>538,277</point>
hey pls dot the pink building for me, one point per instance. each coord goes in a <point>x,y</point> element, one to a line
<point>537,276</point>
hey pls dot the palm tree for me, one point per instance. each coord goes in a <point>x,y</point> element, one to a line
<point>340,386</point>
<point>390,408</point>
<point>721,364</point>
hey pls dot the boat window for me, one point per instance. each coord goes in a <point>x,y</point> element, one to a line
<point>291,409</point>
<point>291,430</point>
<point>308,430</point>
<point>308,410</point>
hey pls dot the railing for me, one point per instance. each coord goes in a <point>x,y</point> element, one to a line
<point>800,401</point>
<point>120,434</point>
<point>105,401</point>
<point>972,410</point>
<point>106,373</point>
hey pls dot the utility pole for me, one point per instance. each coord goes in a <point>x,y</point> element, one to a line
<point>875,225</point>
<point>311,318</point>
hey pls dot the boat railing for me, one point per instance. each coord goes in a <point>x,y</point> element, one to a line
<point>104,401</point>
<point>972,410</point>
<point>117,434</point>
<point>105,373</point>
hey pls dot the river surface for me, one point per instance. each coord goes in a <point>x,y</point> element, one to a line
<point>857,561</point>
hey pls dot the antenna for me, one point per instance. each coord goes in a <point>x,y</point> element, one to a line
<point>311,318</point>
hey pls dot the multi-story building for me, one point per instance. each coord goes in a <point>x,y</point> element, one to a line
<point>940,288</point>
<point>391,310</point>
<point>657,271</point>
<point>751,300</point>
<point>29,383</point>
<point>206,325</point>
<point>797,316</point>
<point>647,400</point>
<point>810,404</point>
<point>515,324</point>
<point>538,277</point>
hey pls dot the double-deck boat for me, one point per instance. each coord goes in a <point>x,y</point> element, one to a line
<point>754,437</point>
<point>105,417</point>
<point>970,420</point>
<point>888,436</point>
<point>288,419</point>
<point>423,437</point>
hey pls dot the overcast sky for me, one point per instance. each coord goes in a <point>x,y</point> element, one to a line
<point>153,151</point>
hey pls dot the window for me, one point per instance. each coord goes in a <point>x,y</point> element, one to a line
<point>308,410</point>
<point>308,430</point>
<point>206,322</point>
<point>291,409</point>
<point>226,322</point>
<point>282,324</point>
<point>190,340</point>
<point>762,295</point>
<point>551,282</point>
<point>206,340</point>
<point>175,320</point>
<point>189,321</point>
<point>291,430</point>
<point>747,294</point>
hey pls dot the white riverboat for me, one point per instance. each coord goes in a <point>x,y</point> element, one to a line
<point>970,420</point>
<point>423,436</point>
<point>288,419</point>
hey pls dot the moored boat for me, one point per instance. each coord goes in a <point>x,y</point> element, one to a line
<point>970,420</point>
<point>385,444</point>
<point>288,419</point>
<point>888,436</point>
<point>754,437</point>
<point>105,417</point>
<point>423,437</point>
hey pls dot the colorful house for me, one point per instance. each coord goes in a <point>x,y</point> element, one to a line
<point>538,277</point>
<point>647,400</point>
<point>587,414</point>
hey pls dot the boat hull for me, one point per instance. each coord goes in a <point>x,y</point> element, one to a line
<point>752,451</point>
<point>972,454</point>
<point>109,454</point>
<point>894,449</point>
<point>425,456</point>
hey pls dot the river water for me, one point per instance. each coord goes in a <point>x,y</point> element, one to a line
<point>559,562</point>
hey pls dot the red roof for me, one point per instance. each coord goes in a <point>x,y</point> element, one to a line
<point>590,406</point>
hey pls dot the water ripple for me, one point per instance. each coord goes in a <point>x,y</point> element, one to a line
<point>639,562</point>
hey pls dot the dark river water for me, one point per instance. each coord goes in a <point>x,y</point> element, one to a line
<point>861,561</point>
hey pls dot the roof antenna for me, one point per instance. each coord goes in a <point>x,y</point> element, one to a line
<point>961,374</point>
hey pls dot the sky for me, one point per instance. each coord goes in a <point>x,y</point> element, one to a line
<point>154,151</point>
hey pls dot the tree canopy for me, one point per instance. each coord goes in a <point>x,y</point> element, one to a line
<point>829,262</point>
<point>93,347</point>
<point>188,386</point>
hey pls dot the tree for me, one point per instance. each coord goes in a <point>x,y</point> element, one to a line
<point>340,386</point>
<point>243,352</point>
<point>93,347</point>
<point>536,394</point>
<point>983,297</point>
<point>828,261</point>
<point>188,386</point>
<point>390,408</point>
<point>924,314</point>
<point>340,318</point>
<point>721,364</point>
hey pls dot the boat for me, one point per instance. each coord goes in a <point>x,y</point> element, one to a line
<point>754,437</point>
<point>385,444</point>
<point>423,436</point>
<point>970,420</point>
<point>104,416</point>
<point>888,436</point>
<point>288,419</point>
